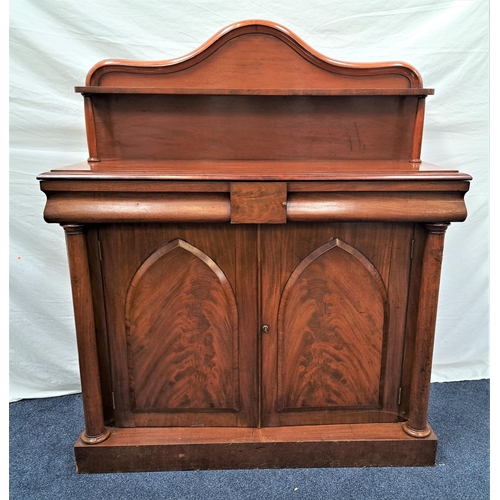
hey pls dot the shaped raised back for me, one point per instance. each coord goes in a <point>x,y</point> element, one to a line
<point>254,91</point>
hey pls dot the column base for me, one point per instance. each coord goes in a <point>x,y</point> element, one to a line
<point>417,433</point>
<point>95,439</point>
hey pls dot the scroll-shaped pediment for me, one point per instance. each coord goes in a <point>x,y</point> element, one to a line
<point>254,54</point>
<point>181,324</point>
<point>332,326</point>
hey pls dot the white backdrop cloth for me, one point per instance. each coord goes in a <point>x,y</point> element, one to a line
<point>54,43</point>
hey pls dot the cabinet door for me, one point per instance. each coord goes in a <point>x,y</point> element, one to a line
<point>334,297</point>
<point>181,312</point>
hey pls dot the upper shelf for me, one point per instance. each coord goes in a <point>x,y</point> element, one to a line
<point>254,91</point>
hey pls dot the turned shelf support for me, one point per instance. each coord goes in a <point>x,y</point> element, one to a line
<point>95,431</point>
<point>417,425</point>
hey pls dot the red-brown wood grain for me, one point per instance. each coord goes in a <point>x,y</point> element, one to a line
<point>220,170</point>
<point>361,445</point>
<point>198,127</point>
<point>89,208</point>
<point>258,202</point>
<point>181,346</point>
<point>417,425</point>
<point>255,248</point>
<point>254,54</point>
<point>101,330</point>
<point>182,321</point>
<point>383,263</point>
<point>90,129</point>
<point>332,324</point>
<point>246,70</point>
<point>371,206</point>
<point>95,431</point>
<point>85,91</point>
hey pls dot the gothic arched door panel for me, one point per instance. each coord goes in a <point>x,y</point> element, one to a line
<point>334,300</point>
<point>185,319</point>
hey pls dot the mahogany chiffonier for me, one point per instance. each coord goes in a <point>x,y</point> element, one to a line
<point>255,251</point>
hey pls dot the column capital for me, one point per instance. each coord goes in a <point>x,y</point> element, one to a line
<point>437,227</point>
<point>74,228</point>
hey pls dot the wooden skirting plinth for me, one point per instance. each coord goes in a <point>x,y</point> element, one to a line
<point>211,448</point>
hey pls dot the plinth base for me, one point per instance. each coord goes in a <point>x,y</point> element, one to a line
<point>209,448</point>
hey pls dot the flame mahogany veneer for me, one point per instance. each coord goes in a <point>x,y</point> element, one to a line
<point>255,250</point>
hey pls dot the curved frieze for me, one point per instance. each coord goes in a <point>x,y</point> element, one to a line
<point>332,325</point>
<point>181,324</point>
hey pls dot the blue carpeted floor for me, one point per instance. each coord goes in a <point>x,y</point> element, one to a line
<point>43,432</point>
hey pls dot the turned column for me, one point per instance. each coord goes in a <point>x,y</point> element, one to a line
<point>95,431</point>
<point>417,425</point>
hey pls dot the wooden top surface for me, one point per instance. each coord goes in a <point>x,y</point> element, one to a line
<point>271,170</point>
